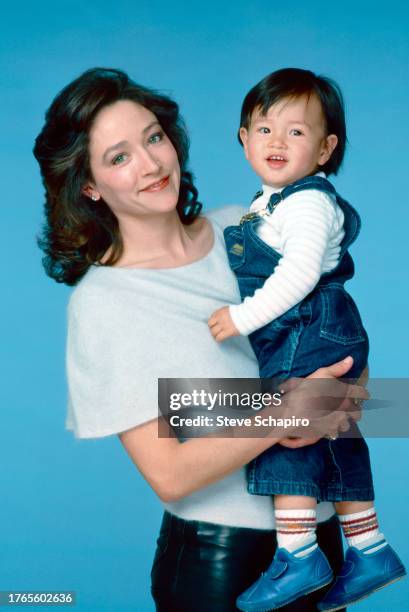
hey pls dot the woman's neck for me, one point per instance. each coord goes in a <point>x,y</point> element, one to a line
<point>161,241</point>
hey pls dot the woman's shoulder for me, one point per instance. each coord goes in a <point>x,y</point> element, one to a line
<point>99,291</point>
<point>226,215</point>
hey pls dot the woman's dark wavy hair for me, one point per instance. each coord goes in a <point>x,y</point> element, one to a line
<point>77,233</point>
<point>294,83</point>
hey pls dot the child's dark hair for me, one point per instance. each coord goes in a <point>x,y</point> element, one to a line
<point>294,83</point>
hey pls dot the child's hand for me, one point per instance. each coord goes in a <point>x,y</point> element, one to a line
<point>221,325</point>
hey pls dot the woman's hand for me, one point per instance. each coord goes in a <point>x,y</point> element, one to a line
<point>297,442</point>
<point>221,325</point>
<point>344,398</point>
<point>350,407</point>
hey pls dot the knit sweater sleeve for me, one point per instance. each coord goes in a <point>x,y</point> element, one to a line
<point>107,368</point>
<point>305,221</point>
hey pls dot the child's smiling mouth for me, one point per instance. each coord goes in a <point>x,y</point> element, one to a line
<point>276,161</point>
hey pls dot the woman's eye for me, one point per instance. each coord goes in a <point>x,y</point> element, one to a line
<point>156,137</point>
<point>295,132</point>
<point>119,159</point>
<point>264,130</point>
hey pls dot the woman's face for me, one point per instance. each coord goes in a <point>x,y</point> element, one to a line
<point>134,165</point>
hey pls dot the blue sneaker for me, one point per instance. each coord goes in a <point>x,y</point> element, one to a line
<point>361,575</point>
<point>288,578</point>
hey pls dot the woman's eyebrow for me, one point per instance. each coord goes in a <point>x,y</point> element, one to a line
<point>123,143</point>
<point>148,127</point>
<point>118,145</point>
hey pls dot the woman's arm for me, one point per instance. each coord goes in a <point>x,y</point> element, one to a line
<point>175,470</point>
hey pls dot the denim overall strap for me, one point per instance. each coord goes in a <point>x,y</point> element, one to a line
<point>258,194</point>
<point>352,221</point>
<point>309,182</point>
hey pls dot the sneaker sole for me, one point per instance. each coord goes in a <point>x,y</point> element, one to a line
<point>354,601</point>
<point>288,601</point>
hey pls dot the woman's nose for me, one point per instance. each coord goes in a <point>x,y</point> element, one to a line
<point>148,164</point>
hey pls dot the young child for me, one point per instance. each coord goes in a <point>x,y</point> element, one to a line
<point>291,260</point>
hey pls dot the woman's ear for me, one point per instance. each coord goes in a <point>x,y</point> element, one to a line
<point>244,136</point>
<point>90,192</point>
<point>327,150</point>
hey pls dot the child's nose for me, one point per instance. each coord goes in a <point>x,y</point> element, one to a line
<point>278,141</point>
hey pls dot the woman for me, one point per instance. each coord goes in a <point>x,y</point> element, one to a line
<point>122,222</point>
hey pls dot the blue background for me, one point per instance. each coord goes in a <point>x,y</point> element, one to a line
<point>76,514</point>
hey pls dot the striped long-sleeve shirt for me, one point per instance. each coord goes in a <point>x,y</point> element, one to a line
<point>306,229</point>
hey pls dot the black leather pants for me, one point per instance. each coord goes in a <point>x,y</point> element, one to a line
<point>202,567</point>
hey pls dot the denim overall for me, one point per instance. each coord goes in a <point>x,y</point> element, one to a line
<point>322,329</point>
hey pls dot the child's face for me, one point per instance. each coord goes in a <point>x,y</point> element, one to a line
<point>289,142</point>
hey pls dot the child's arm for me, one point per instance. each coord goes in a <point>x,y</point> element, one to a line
<point>306,222</point>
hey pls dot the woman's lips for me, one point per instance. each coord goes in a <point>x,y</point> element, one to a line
<point>158,186</point>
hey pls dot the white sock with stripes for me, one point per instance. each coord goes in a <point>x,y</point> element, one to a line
<point>296,529</point>
<point>361,530</point>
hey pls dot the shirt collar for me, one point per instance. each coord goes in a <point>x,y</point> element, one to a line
<point>268,190</point>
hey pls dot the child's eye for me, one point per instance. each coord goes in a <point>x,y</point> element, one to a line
<point>119,159</point>
<point>156,137</point>
<point>295,132</point>
<point>264,130</point>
